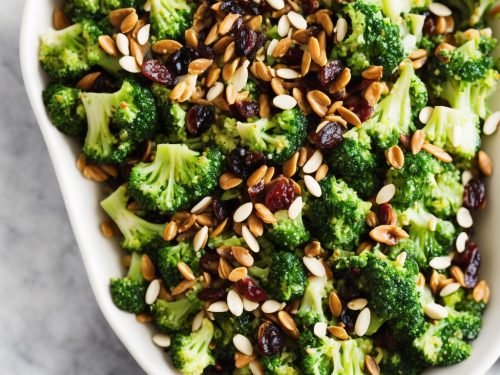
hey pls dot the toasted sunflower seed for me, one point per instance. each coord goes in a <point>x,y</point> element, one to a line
<point>435,311</point>
<point>152,292</point>
<point>243,344</point>
<point>315,266</point>
<point>162,340</point>
<point>235,304</point>
<point>319,329</point>
<point>362,322</point>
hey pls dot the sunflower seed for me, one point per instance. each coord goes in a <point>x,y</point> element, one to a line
<point>425,115</point>
<point>340,30</point>
<point>386,194</point>
<point>466,177</point>
<point>123,44</point>
<point>440,10</point>
<point>401,258</point>
<point>284,102</point>
<point>276,4</point>
<point>464,218</point>
<point>461,241</point>
<point>357,304</point>
<point>256,367</point>
<point>283,26</point>
<point>314,266</point>
<point>237,274</point>
<point>485,163</point>
<point>200,238</point>
<point>153,291</point>
<point>243,212</point>
<point>271,306</point>
<point>287,73</point>
<point>243,344</point>
<point>312,186</point>
<point>371,365</point>
<point>435,311</point>
<point>129,64</point>
<point>491,123</point>
<point>320,329</point>
<point>295,208</point>
<point>297,20</point>
<point>287,321</point>
<point>219,306</point>
<point>161,340</point>
<point>250,305</point>
<point>185,271</point>
<point>313,163</point>
<point>440,263</point>
<point>240,78</point>
<point>339,332</point>
<point>449,289</point>
<point>362,322</point>
<point>249,238</point>
<point>234,303</point>
<point>143,34</point>
<point>215,91</point>
<point>202,205</point>
<point>197,321</point>
<point>272,46</point>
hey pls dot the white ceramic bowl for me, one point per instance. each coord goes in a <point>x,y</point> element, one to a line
<point>102,257</point>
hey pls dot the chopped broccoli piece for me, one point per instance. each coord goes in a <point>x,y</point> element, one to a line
<point>172,115</point>
<point>312,305</point>
<point>170,256</point>
<point>445,196</point>
<point>470,12</point>
<point>395,363</point>
<point>84,9</point>
<point>288,233</point>
<point>128,293</point>
<point>170,18</point>
<point>176,178</point>
<point>65,109</point>
<point>137,232</point>
<point>191,353</point>
<point>283,364</point>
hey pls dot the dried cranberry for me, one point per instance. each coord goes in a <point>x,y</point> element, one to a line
<point>205,51</point>
<point>429,25</point>
<point>309,6</point>
<point>348,318</point>
<point>474,194</point>
<point>469,260</point>
<point>386,214</point>
<point>157,72</point>
<point>330,72</point>
<point>248,42</point>
<point>179,61</point>
<point>385,339</point>
<point>363,110</point>
<point>104,84</point>
<point>199,118</point>
<point>243,162</point>
<point>358,85</point>
<point>330,136</point>
<point>293,56</point>
<point>250,290</point>
<point>210,262</point>
<point>231,7</point>
<point>280,194</point>
<point>211,294</point>
<point>270,339</point>
<point>246,109</point>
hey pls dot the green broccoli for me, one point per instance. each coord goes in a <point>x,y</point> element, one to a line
<point>228,238</point>
<point>84,9</point>
<point>128,293</point>
<point>338,216</point>
<point>470,12</point>
<point>174,316</point>
<point>118,122</point>
<point>395,8</point>
<point>172,115</point>
<point>288,233</point>
<point>191,353</point>
<point>176,178</point>
<point>354,161</point>
<point>170,256</point>
<point>313,304</point>
<point>374,40</point>
<point>321,356</point>
<point>170,18</point>
<point>445,196</point>
<point>455,131</point>
<point>278,138</point>
<point>395,363</point>
<point>284,278</point>
<point>395,113</point>
<point>283,364</point>
<point>137,232</point>
<point>65,109</point>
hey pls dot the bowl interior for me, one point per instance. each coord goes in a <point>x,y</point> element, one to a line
<point>102,256</point>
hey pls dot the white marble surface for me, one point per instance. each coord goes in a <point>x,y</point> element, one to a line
<point>49,321</point>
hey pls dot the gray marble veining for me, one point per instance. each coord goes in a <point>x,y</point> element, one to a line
<point>49,321</point>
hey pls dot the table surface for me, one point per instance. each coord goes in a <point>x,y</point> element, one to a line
<point>49,321</point>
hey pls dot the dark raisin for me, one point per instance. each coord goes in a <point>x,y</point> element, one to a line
<point>211,294</point>
<point>270,339</point>
<point>363,110</point>
<point>474,194</point>
<point>279,194</point>
<point>243,162</point>
<point>469,260</point>
<point>231,7</point>
<point>429,25</point>
<point>385,339</point>
<point>293,56</point>
<point>246,109</point>
<point>210,262</point>
<point>205,51</point>
<point>250,290</point>
<point>309,6</point>
<point>330,136</point>
<point>222,209</point>
<point>104,84</point>
<point>199,118</point>
<point>348,318</point>
<point>350,292</point>
<point>255,190</point>
<point>358,85</point>
<point>330,72</point>
<point>179,61</point>
<point>248,42</point>
<point>386,214</point>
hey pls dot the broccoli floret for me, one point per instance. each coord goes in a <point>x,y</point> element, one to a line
<point>338,216</point>
<point>428,243</point>
<point>137,232</point>
<point>227,238</point>
<point>470,12</point>
<point>65,109</point>
<point>118,122</point>
<point>454,130</point>
<point>374,40</point>
<point>288,233</point>
<point>172,115</point>
<point>414,180</point>
<point>445,196</point>
<point>278,138</point>
<point>84,9</point>
<point>191,353</point>
<point>170,256</point>
<point>173,316</point>
<point>354,161</point>
<point>333,357</point>
<point>394,114</point>
<point>395,8</point>
<point>283,364</point>
<point>176,178</point>
<point>312,305</point>
<point>394,363</point>
<point>170,18</point>
<point>128,293</point>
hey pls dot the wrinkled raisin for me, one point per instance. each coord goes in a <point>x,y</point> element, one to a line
<point>469,260</point>
<point>429,25</point>
<point>385,339</point>
<point>104,84</point>
<point>270,339</point>
<point>309,6</point>
<point>293,56</point>
<point>243,162</point>
<point>474,194</point>
<point>205,51</point>
<point>250,290</point>
<point>330,136</point>
<point>222,209</point>
<point>330,72</point>
<point>363,110</point>
<point>245,109</point>
<point>179,61</point>
<point>255,190</point>
<point>248,42</point>
<point>210,262</point>
<point>199,118</point>
<point>157,72</point>
<point>211,294</point>
<point>348,318</point>
<point>231,7</point>
<point>279,194</point>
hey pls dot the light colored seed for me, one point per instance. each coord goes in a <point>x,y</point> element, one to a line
<point>228,181</point>
<point>240,78</point>
<point>264,214</point>
<point>283,26</point>
<point>224,269</point>
<point>466,177</point>
<point>200,238</point>
<point>373,73</point>
<point>162,340</point>
<point>255,225</point>
<point>182,287</point>
<point>117,16</point>
<point>425,114</point>
<point>60,20</point>
<point>191,38</point>
<point>417,141</point>
<point>250,305</point>
<point>166,46</point>
<point>152,292</point>
<point>440,9</point>
<point>227,23</point>
<point>417,64</point>
<point>143,34</point>
<point>197,321</point>
<point>437,152</point>
<point>287,73</point>
<point>435,311</point>
<point>94,173</point>
<point>287,321</point>
<point>106,229</point>
<point>338,332</point>
<point>449,289</point>
<point>326,22</point>
<point>271,306</point>
<point>357,304</point>
<point>257,175</point>
<point>302,157</point>
<point>86,83</point>
<point>185,271</point>
<point>362,322</point>
<point>218,307</point>
<point>440,263</point>
<point>290,166</point>
<point>108,45</point>
<point>373,93</point>
<point>335,304</point>
<point>202,205</point>
<point>250,240</point>
<point>147,268</point>
<point>464,218</point>
<point>340,30</point>
<point>215,91</point>
<point>243,344</point>
<point>349,116</point>
<point>462,239</point>
<point>371,365</point>
<point>458,275</point>
<point>284,102</point>
<point>396,157</point>
<point>313,163</point>
<point>238,273</point>
<point>276,4</point>
<point>321,172</point>
<point>315,266</point>
<point>272,46</point>
<point>385,194</point>
<point>243,212</point>
<point>129,22</point>
<point>256,367</point>
<point>485,163</point>
<point>339,85</point>
<point>242,255</point>
<point>188,222</point>
<point>401,258</point>
<point>491,123</point>
<point>319,329</point>
<point>297,20</point>
<point>388,234</point>
<point>199,66</point>
<point>170,231</point>
<point>319,102</point>
<point>295,208</point>
<point>312,186</point>
<point>418,54</point>
<point>481,292</point>
<point>129,64</point>
<point>235,305</point>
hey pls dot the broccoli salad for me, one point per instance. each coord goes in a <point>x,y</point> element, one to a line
<point>293,183</point>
